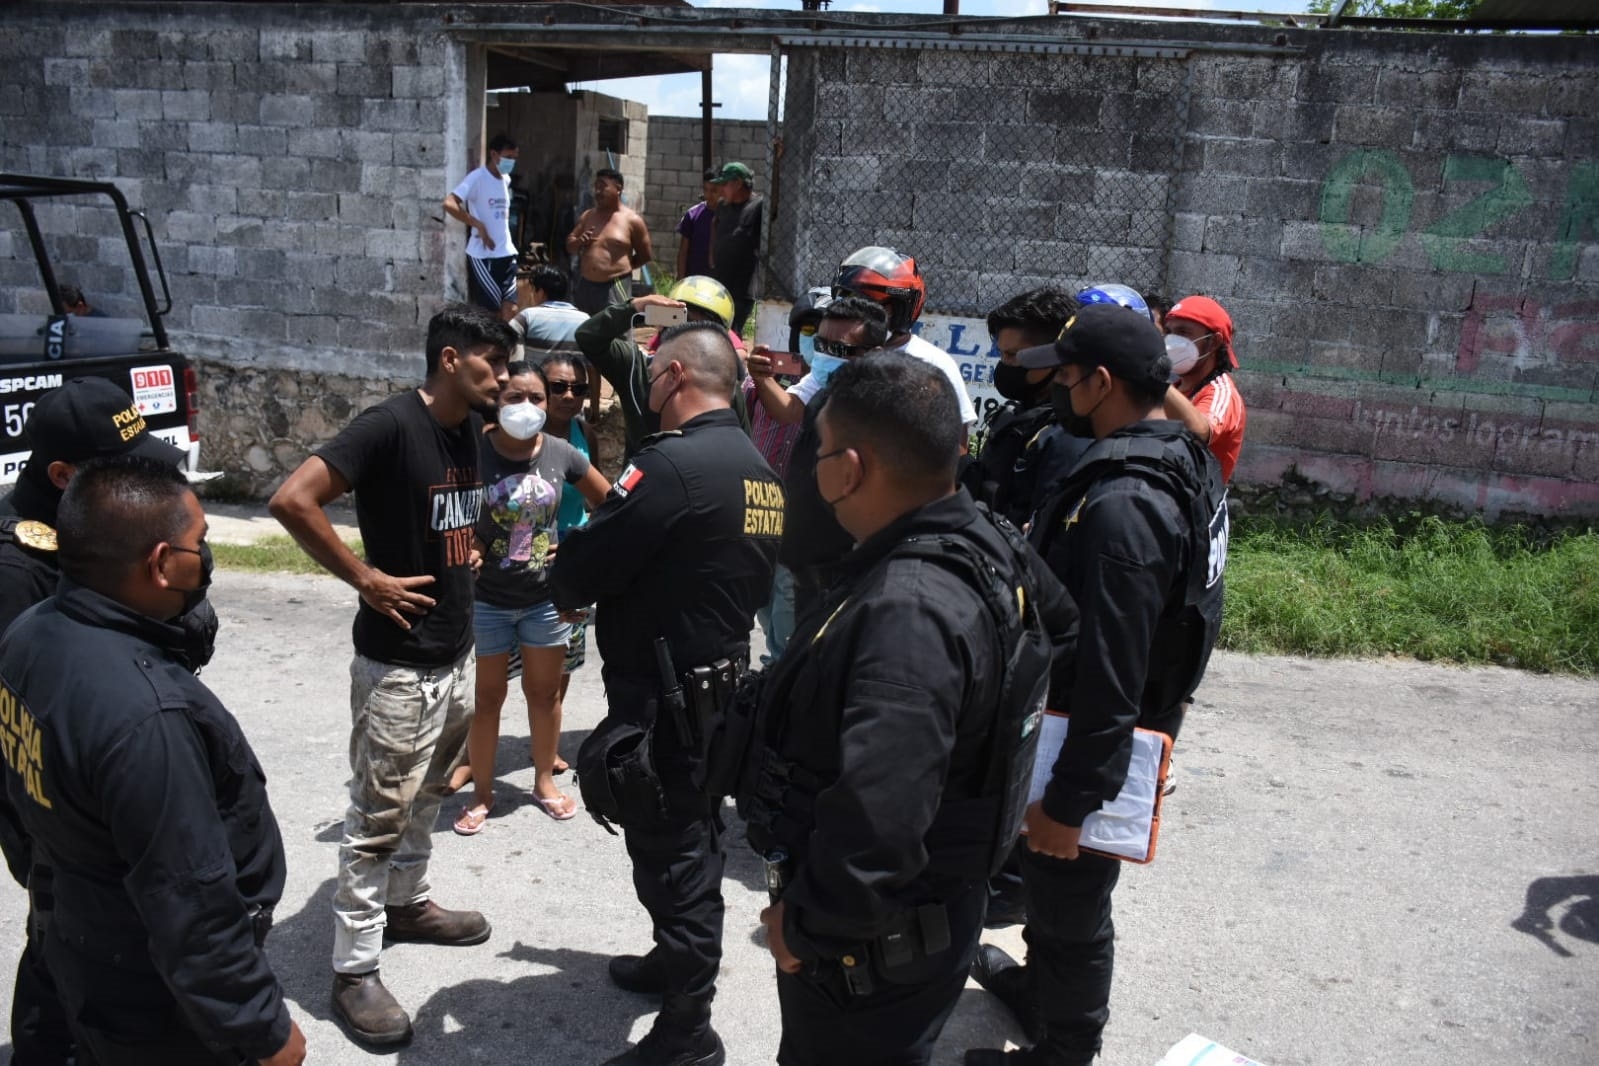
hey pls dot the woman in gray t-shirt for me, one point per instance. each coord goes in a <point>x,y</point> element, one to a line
<point>524,471</point>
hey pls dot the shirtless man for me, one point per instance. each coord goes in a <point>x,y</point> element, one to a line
<point>612,242</point>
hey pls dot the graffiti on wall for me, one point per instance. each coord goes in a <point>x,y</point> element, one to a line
<point>1494,191</point>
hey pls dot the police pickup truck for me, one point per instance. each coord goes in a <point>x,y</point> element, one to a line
<point>40,351</point>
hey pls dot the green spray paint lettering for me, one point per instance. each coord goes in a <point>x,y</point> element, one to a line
<point>1580,216</point>
<point>1359,244</point>
<point>1445,240</point>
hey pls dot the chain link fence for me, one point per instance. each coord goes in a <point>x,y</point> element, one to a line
<point>998,170</point>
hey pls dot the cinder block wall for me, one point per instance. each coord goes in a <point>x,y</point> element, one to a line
<point>1403,226</point>
<point>292,170</point>
<point>676,166</point>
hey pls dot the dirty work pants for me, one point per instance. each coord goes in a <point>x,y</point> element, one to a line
<point>408,733</point>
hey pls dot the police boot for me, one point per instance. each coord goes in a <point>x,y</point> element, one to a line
<point>1006,979</point>
<point>369,1010</point>
<point>681,1036</point>
<point>644,974</point>
<point>429,923</point>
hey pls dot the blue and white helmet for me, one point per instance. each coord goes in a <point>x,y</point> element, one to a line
<point>1124,295</point>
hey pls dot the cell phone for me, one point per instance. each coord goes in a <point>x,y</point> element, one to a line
<point>661,316</point>
<point>789,364</point>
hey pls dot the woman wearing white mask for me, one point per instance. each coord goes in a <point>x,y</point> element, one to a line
<point>524,471</point>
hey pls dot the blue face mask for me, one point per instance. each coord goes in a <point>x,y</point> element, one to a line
<point>506,166</point>
<point>807,347</point>
<point>822,366</point>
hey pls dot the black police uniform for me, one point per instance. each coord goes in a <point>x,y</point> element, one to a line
<point>871,777</point>
<point>1139,546</point>
<point>998,475</point>
<point>40,1035</point>
<point>143,797</point>
<point>683,549</point>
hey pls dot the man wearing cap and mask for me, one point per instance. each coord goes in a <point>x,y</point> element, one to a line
<point>83,419</point>
<point>139,790</point>
<point>1137,535</point>
<point>1199,341</point>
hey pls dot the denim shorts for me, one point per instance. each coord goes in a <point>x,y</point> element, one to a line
<point>499,630</point>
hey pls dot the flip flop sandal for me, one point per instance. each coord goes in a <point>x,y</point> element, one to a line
<point>552,808</point>
<point>471,821</point>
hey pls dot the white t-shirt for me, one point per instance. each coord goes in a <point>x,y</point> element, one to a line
<point>807,387</point>
<point>487,198</point>
<point>938,357</point>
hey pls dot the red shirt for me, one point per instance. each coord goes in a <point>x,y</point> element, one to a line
<point>1220,402</point>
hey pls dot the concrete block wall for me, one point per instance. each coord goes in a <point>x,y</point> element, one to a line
<point>677,164</point>
<point>1404,226</point>
<point>292,172</point>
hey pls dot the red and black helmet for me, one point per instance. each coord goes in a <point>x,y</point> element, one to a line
<point>884,276</point>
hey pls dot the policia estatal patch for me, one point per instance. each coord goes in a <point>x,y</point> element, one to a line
<point>763,508</point>
<point>22,745</point>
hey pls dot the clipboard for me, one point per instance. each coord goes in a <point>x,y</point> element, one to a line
<point>1127,827</point>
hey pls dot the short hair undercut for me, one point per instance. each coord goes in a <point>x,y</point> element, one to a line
<point>114,512</point>
<point>901,409</point>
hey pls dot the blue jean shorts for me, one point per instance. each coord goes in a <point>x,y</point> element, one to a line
<point>499,630</point>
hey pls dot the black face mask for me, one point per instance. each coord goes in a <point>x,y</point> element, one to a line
<point>1060,398</point>
<point>1011,382</point>
<point>199,624</point>
<point>192,598</point>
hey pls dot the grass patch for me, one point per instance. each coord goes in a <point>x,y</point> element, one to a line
<point>278,554</point>
<point>1435,590</point>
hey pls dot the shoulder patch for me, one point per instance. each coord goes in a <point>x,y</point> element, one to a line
<point>628,480</point>
<point>35,535</point>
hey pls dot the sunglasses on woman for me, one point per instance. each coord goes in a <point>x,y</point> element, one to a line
<point>561,388</point>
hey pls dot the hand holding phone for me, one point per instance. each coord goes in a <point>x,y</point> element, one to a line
<point>662,316</point>
<point>788,364</point>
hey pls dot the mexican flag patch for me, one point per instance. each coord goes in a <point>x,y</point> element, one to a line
<point>629,480</point>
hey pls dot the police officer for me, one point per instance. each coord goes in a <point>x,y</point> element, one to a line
<point>606,341</point>
<point>891,760</point>
<point>677,560</point>
<point>998,474</point>
<point>1137,534</point>
<point>85,418</point>
<point>139,790</point>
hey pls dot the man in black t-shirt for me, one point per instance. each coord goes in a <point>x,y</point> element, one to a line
<point>736,245</point>
<point>413,464</point>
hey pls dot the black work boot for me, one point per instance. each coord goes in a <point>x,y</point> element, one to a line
<point>1006,979</point>
<point>369,1010</point>
<point>681,1036</point>
<point>644,974</point>
<point>429,923</point>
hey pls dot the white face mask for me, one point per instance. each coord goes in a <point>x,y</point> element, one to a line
<point>522,420</point>
<point>1182,352</point>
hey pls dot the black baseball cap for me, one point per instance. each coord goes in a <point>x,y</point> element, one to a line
<point>1122,341</point>
<point>88,418</point>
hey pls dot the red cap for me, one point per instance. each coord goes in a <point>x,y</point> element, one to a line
<point>1207,313</point>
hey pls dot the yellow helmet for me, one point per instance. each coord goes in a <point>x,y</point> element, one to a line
<point>707,295</point>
